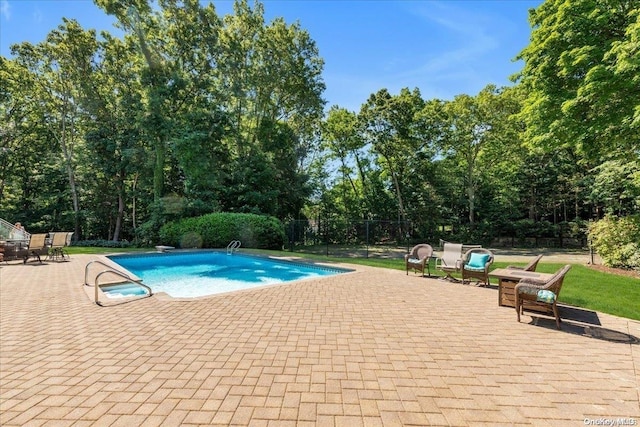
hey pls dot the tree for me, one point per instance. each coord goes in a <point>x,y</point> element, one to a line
<point>388,124</point>
<point>59,63</point>
<point>341,137</point>
<point>111,99</point>
<point>581,78</point>
<point>474,127</point>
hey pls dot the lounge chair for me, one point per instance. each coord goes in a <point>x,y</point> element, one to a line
<point>418,258</point>
<point>450,261</point>
<point>58,242</point>
<point>475,264</point>
<point>535,294</point>
<point>37,246</point>
<point>533,264</point>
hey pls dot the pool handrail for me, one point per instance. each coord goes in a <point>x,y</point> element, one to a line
<point>112,270</point>
<point>86,271</point>
<point>234,245</point>
<point>121,274</point>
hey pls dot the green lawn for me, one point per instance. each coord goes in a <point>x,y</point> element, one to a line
<point>582,287</point>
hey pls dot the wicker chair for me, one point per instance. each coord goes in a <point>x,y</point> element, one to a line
<point>475,264</point>
<point>529,267</point>
<point>534,293</point>
<point>418,258</point>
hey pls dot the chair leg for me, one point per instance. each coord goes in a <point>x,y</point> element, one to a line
<point>517,304</point>
<point>556,314</point>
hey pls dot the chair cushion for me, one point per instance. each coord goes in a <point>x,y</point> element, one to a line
<point>546,296</point>
<point>478,260</point>
<point>414,261</point>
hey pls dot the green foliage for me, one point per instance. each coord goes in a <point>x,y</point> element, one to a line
<point>617,186</point>
<point>101,243</point>
<point>581,77</point>
<point>113,137</point>
<point>218,229</point>
<point>617,241</point>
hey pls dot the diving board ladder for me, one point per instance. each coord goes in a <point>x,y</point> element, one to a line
<point>113,271</point>
<point>233,246</point>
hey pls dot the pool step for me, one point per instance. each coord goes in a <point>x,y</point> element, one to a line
<point>128,285</point>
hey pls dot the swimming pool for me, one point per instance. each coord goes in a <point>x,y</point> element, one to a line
<point>202,273</point>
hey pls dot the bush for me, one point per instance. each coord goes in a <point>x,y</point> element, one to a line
<point>218,229</point>
<point>617,241</point>
<point>100,243</point>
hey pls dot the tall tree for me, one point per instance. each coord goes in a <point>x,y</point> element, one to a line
<point>388,124</point>
<point>341,137</point>
<point>473,125</point>
<point>580,75</point>
<point>59,63</point>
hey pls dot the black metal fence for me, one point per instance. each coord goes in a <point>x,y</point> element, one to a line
<point>392,239</point>
<point>365,238</point>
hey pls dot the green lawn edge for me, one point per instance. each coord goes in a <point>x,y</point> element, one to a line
<point>583,287</point>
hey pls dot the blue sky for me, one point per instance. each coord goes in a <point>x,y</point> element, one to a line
<point>442,47</point>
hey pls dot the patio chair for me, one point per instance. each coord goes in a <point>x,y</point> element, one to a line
<point>533,264</point>
<point>418,258</point>
<point>475,264</point>
<point>37,246</point>
<point>450,261</point>
<point>534,293</point>
<point>58,242</point>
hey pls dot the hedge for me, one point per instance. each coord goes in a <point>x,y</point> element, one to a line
<point>218,229</point>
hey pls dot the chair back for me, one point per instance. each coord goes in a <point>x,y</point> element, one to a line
<point>421,251</point>
<point>467,255</point>
<point>59,240</point>
<point>37,241</point>
<point>451,254</point>
<point>554,284</point>
<point>533,264</point>
<point>67,240</point>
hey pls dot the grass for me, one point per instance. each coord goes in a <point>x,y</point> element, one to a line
<point>71,250</point>
<point>583,287</point>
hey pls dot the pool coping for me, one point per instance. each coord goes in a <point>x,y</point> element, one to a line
<point>345,269</point>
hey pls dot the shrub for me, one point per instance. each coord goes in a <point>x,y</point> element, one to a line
<point>617,241</point>
<point>101,243</point>
<point>218,229</point>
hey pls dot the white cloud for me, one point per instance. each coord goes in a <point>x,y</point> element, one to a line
<point>470,36</point>
<point>37,16</point>
<point>5,10</point>
<point>462,50</point>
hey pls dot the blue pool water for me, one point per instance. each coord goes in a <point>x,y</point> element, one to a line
<point>123,290</point>
<point>196,274</point>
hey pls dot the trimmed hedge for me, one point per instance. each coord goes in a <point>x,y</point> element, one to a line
<point>216,230</point>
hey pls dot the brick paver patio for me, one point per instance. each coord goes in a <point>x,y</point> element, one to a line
<point>369,348</point>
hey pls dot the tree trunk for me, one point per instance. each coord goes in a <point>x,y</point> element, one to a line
<point>158,170</point>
